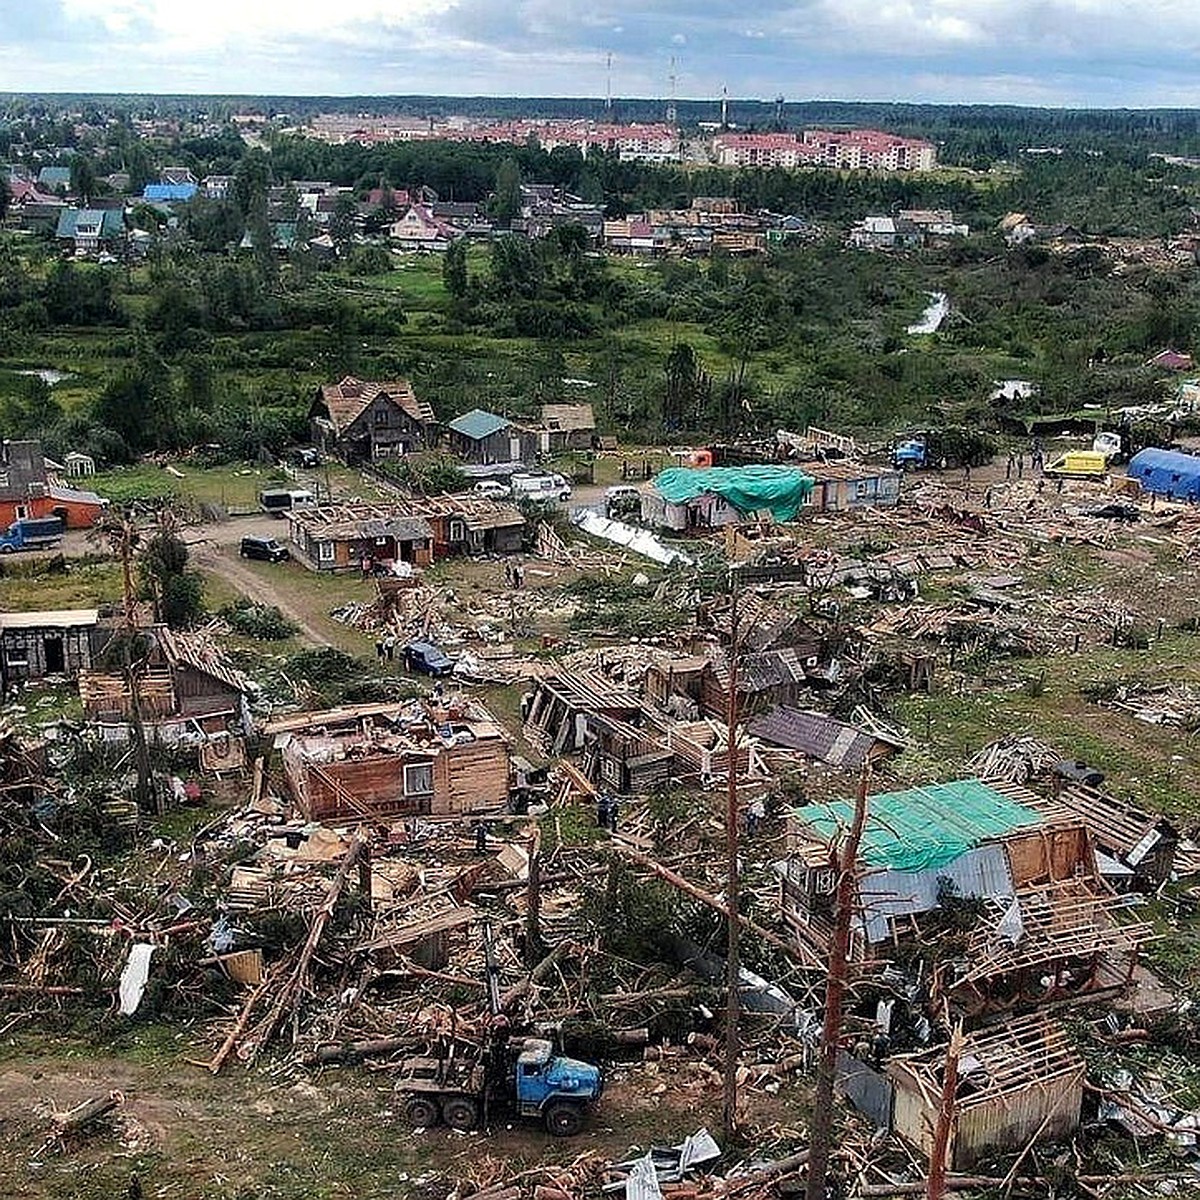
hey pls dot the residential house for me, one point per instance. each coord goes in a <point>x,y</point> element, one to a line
<point>765,680</point>
<point>935,222</point>
<point>484,437</point>
<point>1171,360</point>
<point>27,489</point>
<point>36,644</point>
<point>54,179</point>
<point>176,176</point>
<point>364,420</point>
<point>90,230</point>
<point>188,692</point>
<point>469,524</point>
<point>886,233</point>
<point>216,187</point>
<point>344,537</point>
<point>823,738</point>
<point>383,761</point>
<point>419,229</point>
<point>567,427</point>
<point>632,237</point>
<point>685,498</point>
<point>169,193</point>
<point>841,486</point>
<point>1045,931</point>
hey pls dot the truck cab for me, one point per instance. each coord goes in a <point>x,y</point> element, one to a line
<point>909,454</point>
<point>31,533</point>
<point>554,1087</point>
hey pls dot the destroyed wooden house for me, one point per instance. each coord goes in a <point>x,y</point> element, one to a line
<point>1019,1082</point>
<point>1134,848</point>
<point>188,691</point>
<point>342,537</point>
<point>36,644</point>
<point>394,760</point>
<point>606,724</point>
<point>823,738</point>
<point>762,625</point>
<point>1041,925</point>
<point>764,680</point>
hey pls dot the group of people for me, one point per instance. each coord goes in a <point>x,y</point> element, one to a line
<point>385,647</point>
<point>514,575</point>
<point>1016,460</point>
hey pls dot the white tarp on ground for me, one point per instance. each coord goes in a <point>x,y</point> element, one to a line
<point>640,541</point>
<point>935,313</point>
<point>134,977</point>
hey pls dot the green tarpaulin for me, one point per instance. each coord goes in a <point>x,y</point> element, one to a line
<point>780,490</point>
<point>924,828</point>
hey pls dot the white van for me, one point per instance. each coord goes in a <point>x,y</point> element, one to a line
<point>540,487</point>
<point>277,501</point>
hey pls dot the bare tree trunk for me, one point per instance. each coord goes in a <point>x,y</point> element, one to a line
<point>732,925</point>
<point>936,1189</point>
<point>845,863</point>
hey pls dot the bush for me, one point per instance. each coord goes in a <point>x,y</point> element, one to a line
<point>262,621</point>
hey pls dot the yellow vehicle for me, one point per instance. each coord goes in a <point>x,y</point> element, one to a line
<point>1080,464</point>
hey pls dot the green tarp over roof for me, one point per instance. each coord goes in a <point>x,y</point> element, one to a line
<point>781,490</point>
<point>924,828</point>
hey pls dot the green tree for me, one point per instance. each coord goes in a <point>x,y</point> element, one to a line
<point>454,268</point>
<point>5,196</point>
<point>83,177</point>
<point>251,180</point>
<point>178,593</point>
<point>343,221</point>
<point>506,203</point>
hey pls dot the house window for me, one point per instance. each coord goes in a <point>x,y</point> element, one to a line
<point>17,657</point>
<point>325,552</point>
<point>418,779</point>
<point>381,416</point>
<point>458,531</point>
<point>22,511</point>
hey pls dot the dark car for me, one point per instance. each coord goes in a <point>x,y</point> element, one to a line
<point>427,659</point>
<point>264,548</point>
<point>307,456</point>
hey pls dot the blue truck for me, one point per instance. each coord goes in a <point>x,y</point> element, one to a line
<point>31,533</point>
<point>523,1075</point>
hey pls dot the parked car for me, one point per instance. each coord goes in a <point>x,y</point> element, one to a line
<point>307,456</point>
<point>622,499</point>
<point>427,659</point>
<point>489,489</point>
<point>265,549</point>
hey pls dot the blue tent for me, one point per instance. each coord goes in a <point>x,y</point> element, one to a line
<point>1167,473</point>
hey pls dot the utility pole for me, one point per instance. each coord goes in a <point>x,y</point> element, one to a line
<point>733,965</point>
<point>844,865</point>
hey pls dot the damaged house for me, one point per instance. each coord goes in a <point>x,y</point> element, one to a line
<point>1038,924</point>
<point>700,498</point>
<point>341,537</point>
<point>36,644</point>
<point>361,421</point>
<point>394,760</point>
<point>188,690</point>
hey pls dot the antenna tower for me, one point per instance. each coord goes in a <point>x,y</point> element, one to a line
<point>608,91</point>
<point>724,107</point>
<point>672,113</point>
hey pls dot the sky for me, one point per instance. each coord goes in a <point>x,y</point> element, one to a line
<point>1103,53</point>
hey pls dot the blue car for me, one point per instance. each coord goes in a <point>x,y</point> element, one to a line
<point>426,659</point>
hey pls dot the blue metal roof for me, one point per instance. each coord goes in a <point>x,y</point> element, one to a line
<point>478,424</point>
<point>169,191</point>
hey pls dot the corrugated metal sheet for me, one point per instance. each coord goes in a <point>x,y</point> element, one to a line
<point>982,872</point>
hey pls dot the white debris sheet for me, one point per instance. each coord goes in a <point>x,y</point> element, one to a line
<point>135,976</point>
<point>640,541</point>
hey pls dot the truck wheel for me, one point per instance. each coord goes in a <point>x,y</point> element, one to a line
<point>421,1112</point>
<point>6,549</point>
<point>563,1120</point>
<point>461,1113</point>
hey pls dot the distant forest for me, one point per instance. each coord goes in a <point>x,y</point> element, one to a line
<point>969,135</point>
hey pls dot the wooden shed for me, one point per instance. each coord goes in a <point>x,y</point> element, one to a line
<point>1018,1081</point>
<point>36,644</point>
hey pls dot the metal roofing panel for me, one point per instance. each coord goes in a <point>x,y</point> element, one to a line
<point>478,424</point>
